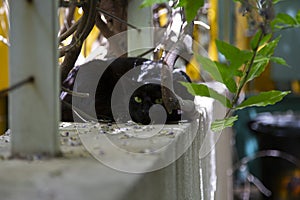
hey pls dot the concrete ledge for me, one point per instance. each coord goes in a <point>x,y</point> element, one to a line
<point>80,175</point>
<point>102,161</point>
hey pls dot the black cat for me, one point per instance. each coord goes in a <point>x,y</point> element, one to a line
<point>119,90</point>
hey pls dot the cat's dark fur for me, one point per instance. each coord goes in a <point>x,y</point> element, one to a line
<point>101,78</point>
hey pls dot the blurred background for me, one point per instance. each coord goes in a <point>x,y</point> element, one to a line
<point>267,139</point>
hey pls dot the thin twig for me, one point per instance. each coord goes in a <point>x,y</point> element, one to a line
<point>118,19</point>
<point>17,85</point>
<point>68,18</point>
<point>69,31</point>
<point>75,94</point>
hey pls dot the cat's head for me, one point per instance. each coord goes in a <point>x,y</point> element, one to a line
<point>143,99</point>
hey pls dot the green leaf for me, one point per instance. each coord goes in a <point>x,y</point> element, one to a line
<point>269,48</point>
<point>254,41</point>
<point>276,1</point>
<point>146,3</point>
<point>219,125</point>
<point>191,8</point>
<point>283,21</point>
<point>263,99</point>
<point>204,91</point>
<point>260,58</point>
<point>219,72</point>
<point>263,57</point>
<point>298,17</point>
<point>181,3</point>
<point>265,39</point>
<point>210,66</point>
<point>236,56</point>
<point>239,73</point>
<point>284,18</point>
<point>279,61</point>
<point>257,69</point>
<point>227,74</point>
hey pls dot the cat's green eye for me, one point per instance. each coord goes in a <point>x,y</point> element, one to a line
<point>138,99</point>
<point>158,101</point>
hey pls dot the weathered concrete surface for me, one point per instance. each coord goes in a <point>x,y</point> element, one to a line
<point>106,162</point>
<point>80,175</point>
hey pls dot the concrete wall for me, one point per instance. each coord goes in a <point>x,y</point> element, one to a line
<point>136,169</point>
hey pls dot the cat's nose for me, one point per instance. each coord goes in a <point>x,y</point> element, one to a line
<point>146,108</point>
<point>145,111</point>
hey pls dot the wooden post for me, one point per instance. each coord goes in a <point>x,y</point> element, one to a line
<point>34,108</point>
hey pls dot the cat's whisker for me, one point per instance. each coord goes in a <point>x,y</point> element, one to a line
<point>79,113</point>
<point>75,94</point>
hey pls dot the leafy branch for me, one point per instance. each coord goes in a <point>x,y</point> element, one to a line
<point>241,66</point>
<point>246,65</point>
<point>246,74</point>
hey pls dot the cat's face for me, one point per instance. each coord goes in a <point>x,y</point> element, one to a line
<point>142,100</point>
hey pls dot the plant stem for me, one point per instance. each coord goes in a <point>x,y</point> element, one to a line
<point>244,79</point>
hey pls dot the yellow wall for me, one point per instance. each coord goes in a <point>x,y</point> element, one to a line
<point>3,66</point>
<point>213,21</point>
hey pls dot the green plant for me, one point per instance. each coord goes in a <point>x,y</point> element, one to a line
<point>242,66</point>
